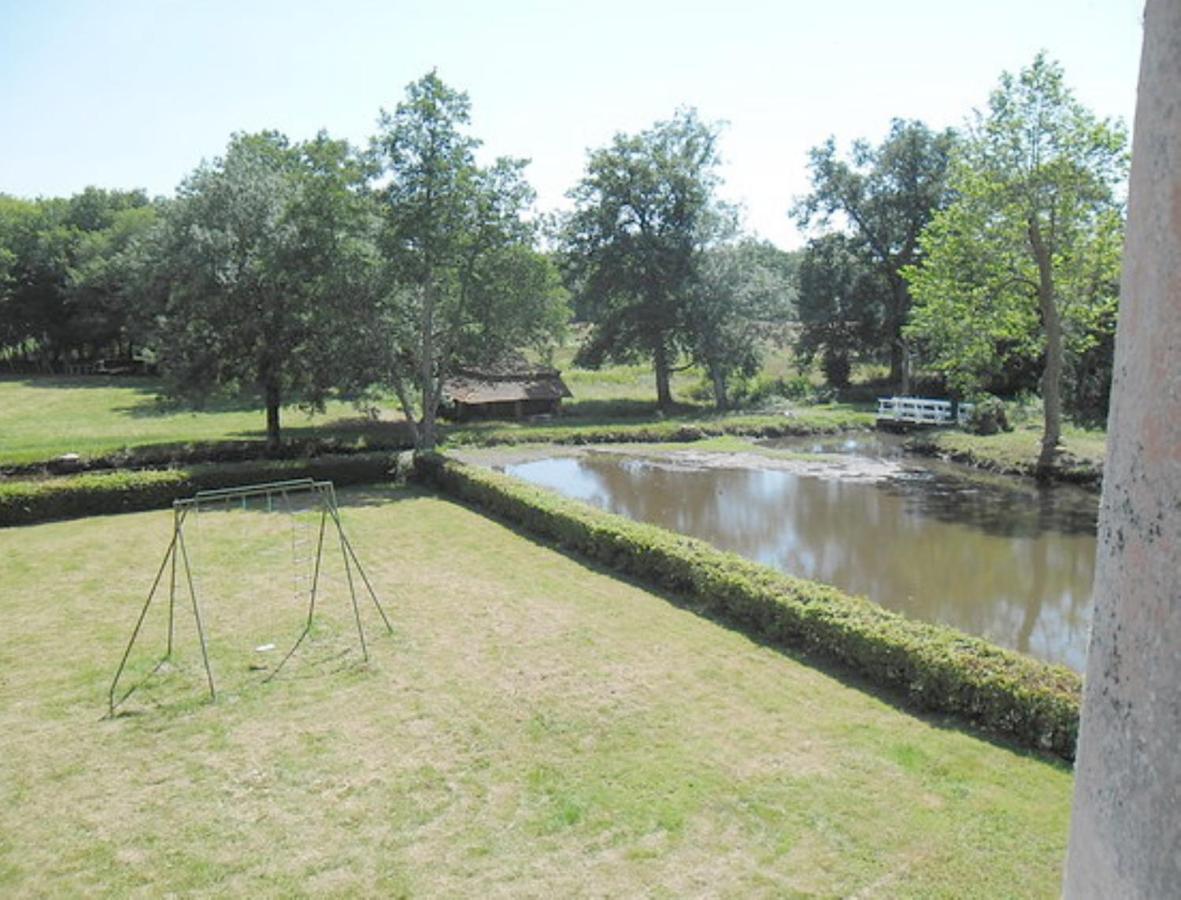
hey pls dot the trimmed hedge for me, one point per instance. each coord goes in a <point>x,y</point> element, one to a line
<point>172,455</point>
<point>938,668</point>
<point>102,493</point>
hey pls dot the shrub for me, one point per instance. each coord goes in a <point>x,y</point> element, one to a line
<point>988,416</point>
<point>938,668</point>
<point>93,494</point>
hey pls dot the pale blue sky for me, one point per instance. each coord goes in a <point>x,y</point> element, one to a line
<point>135,94</point>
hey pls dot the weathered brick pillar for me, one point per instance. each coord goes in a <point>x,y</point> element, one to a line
<point>1125,831</point>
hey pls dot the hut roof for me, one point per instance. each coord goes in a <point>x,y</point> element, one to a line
<point>505,382</point>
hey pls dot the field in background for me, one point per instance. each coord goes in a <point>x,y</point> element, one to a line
<point>45,416</point>
<point>534,727</point>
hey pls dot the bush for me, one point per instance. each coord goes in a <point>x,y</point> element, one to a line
<point>936,667</point>
<point>988,417</point>
<point>95,494</point>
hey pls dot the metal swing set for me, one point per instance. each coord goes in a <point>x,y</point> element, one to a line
<point>177,564</point>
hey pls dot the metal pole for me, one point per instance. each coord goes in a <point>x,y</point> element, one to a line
<point>139,624</point>
<point>197,614</point>
<point>352,588</point>
<point>348,545</point>
<point>177,521</point>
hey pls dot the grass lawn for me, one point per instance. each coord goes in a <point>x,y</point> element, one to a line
<point>534,727</point>
<point>46,416</point>
<point>1082,450</point>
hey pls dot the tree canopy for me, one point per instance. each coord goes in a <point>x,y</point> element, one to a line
<point>839,305</point>
<point>743,292</point>
<point>1025,261</point>
<point>464,283</point>
<point>644,212</point>
<point>61,280</point>
<point>256,269</point>
<point>881,198</point>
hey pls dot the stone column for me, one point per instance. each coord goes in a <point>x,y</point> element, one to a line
<point>1125,830</point>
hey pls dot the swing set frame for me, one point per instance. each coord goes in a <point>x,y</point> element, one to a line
<point>177,563</point>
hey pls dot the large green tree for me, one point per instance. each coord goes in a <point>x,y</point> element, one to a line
<point>463,282</point>
<point>743,292</point>
<point>643,215</point>
<point>260,268</point>
<point>882,197</point>
<point>1025,261</point>
<point>839,305</point>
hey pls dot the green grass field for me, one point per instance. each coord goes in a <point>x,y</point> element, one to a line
<point>1017,451</point>
<point>45,416</point>
<point>534,727</point>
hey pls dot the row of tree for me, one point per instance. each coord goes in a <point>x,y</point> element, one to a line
<point>989,256</point>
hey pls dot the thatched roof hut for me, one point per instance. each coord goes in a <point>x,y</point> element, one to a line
<point>510,389</point>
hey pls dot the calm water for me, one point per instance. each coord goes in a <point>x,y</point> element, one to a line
<point>998,558</point>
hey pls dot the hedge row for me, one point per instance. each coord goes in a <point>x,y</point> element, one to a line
<point>101,493</point>
<point>172,455</point>
<point>938,668</point>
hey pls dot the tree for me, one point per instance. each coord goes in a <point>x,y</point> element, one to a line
<point>60,286</point>
<point>464,283</point>
<point>885,196</point>
<point>840,312</point>
<point>99,303</point>
<point>644,212</point>
<point>255,266</point>
<point>742,291</point>
<point>1026,259</point>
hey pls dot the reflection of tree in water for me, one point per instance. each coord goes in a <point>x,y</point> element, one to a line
<point>1010,565</point>
<point>1012,511</point>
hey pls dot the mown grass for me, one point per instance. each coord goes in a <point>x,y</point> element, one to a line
<point>46,416</point>
<point>1016,452</point>
<point>42,418</point>
<point>534,727</point>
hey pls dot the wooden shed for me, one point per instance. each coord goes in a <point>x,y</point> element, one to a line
<point>509,390</point>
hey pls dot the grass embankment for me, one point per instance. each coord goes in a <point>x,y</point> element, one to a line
<point>534,727</point>
<point>44,417</point>
<point>1080,459</point>
<point>688,426</point>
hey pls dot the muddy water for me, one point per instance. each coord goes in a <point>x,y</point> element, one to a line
<point>994,557</point>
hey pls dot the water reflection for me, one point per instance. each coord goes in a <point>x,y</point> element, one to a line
<point>995,558</point>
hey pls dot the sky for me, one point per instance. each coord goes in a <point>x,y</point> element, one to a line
<point>135,94</point>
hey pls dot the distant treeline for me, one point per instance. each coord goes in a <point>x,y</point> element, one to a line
<point>980,260</point>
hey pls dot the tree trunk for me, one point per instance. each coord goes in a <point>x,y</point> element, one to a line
<point>1052,373</point>
<point>426,439</point>
<point>896,366</point>
<point>407,406</point>
<point>272,401</point>
<point>719,380</point>
<point>664,395</point>
<point>899,350</point>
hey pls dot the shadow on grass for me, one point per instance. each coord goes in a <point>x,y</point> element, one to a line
<point>835,670</point>
<point>624,410</point>
<point>372,495</point>
<point>142,384</point>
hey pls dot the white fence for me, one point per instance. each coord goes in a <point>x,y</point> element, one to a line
<point>920,411</point>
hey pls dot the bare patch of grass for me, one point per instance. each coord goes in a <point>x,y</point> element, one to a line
<point>534,727</point>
